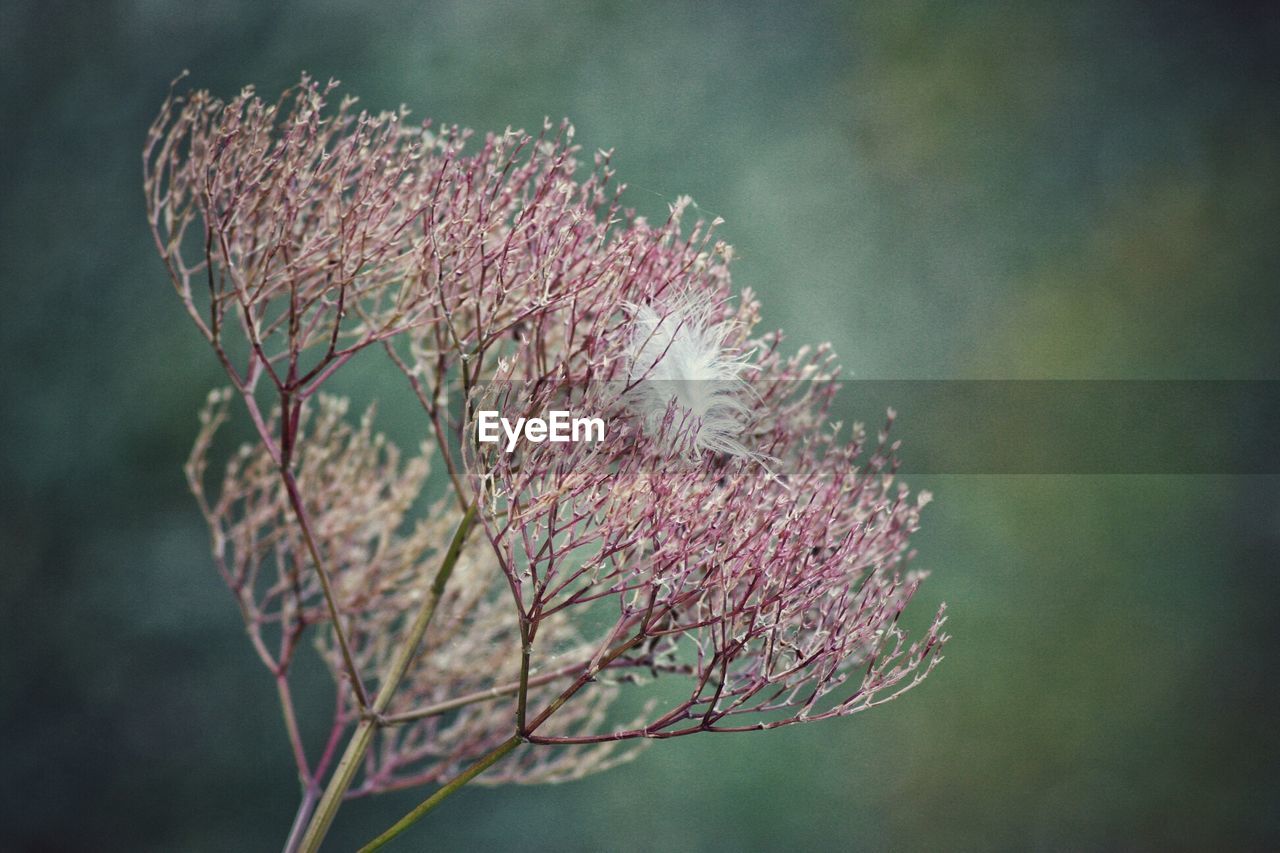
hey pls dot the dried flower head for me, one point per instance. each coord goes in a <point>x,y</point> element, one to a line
<point>520,609</point>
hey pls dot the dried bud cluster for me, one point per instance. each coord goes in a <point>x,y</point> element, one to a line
<point>723,535</point>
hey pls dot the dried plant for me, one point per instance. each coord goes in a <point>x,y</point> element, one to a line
<point>725,536</point>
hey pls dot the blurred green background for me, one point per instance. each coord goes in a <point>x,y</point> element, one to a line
<point>943,190</point>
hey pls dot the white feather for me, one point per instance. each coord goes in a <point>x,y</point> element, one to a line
<point>679,354</point>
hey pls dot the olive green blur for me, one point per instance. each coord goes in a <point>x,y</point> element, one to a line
<point>943,190</point>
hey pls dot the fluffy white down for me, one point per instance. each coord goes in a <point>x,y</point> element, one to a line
<point>679,353</point>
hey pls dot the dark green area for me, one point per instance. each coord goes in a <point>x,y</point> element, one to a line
<point>942,190</point>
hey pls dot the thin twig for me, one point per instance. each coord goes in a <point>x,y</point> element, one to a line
<point>304,524</point>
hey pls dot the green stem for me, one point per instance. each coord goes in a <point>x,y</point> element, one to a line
<point>353,755</point>
<point>490,758</point>
<point>522,700</point>
<point>501,690</point>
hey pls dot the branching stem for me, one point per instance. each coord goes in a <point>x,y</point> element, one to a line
<point>490,758</point>
<point>354,754</point>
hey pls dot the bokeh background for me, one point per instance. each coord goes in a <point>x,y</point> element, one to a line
<point>1085,190</point>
